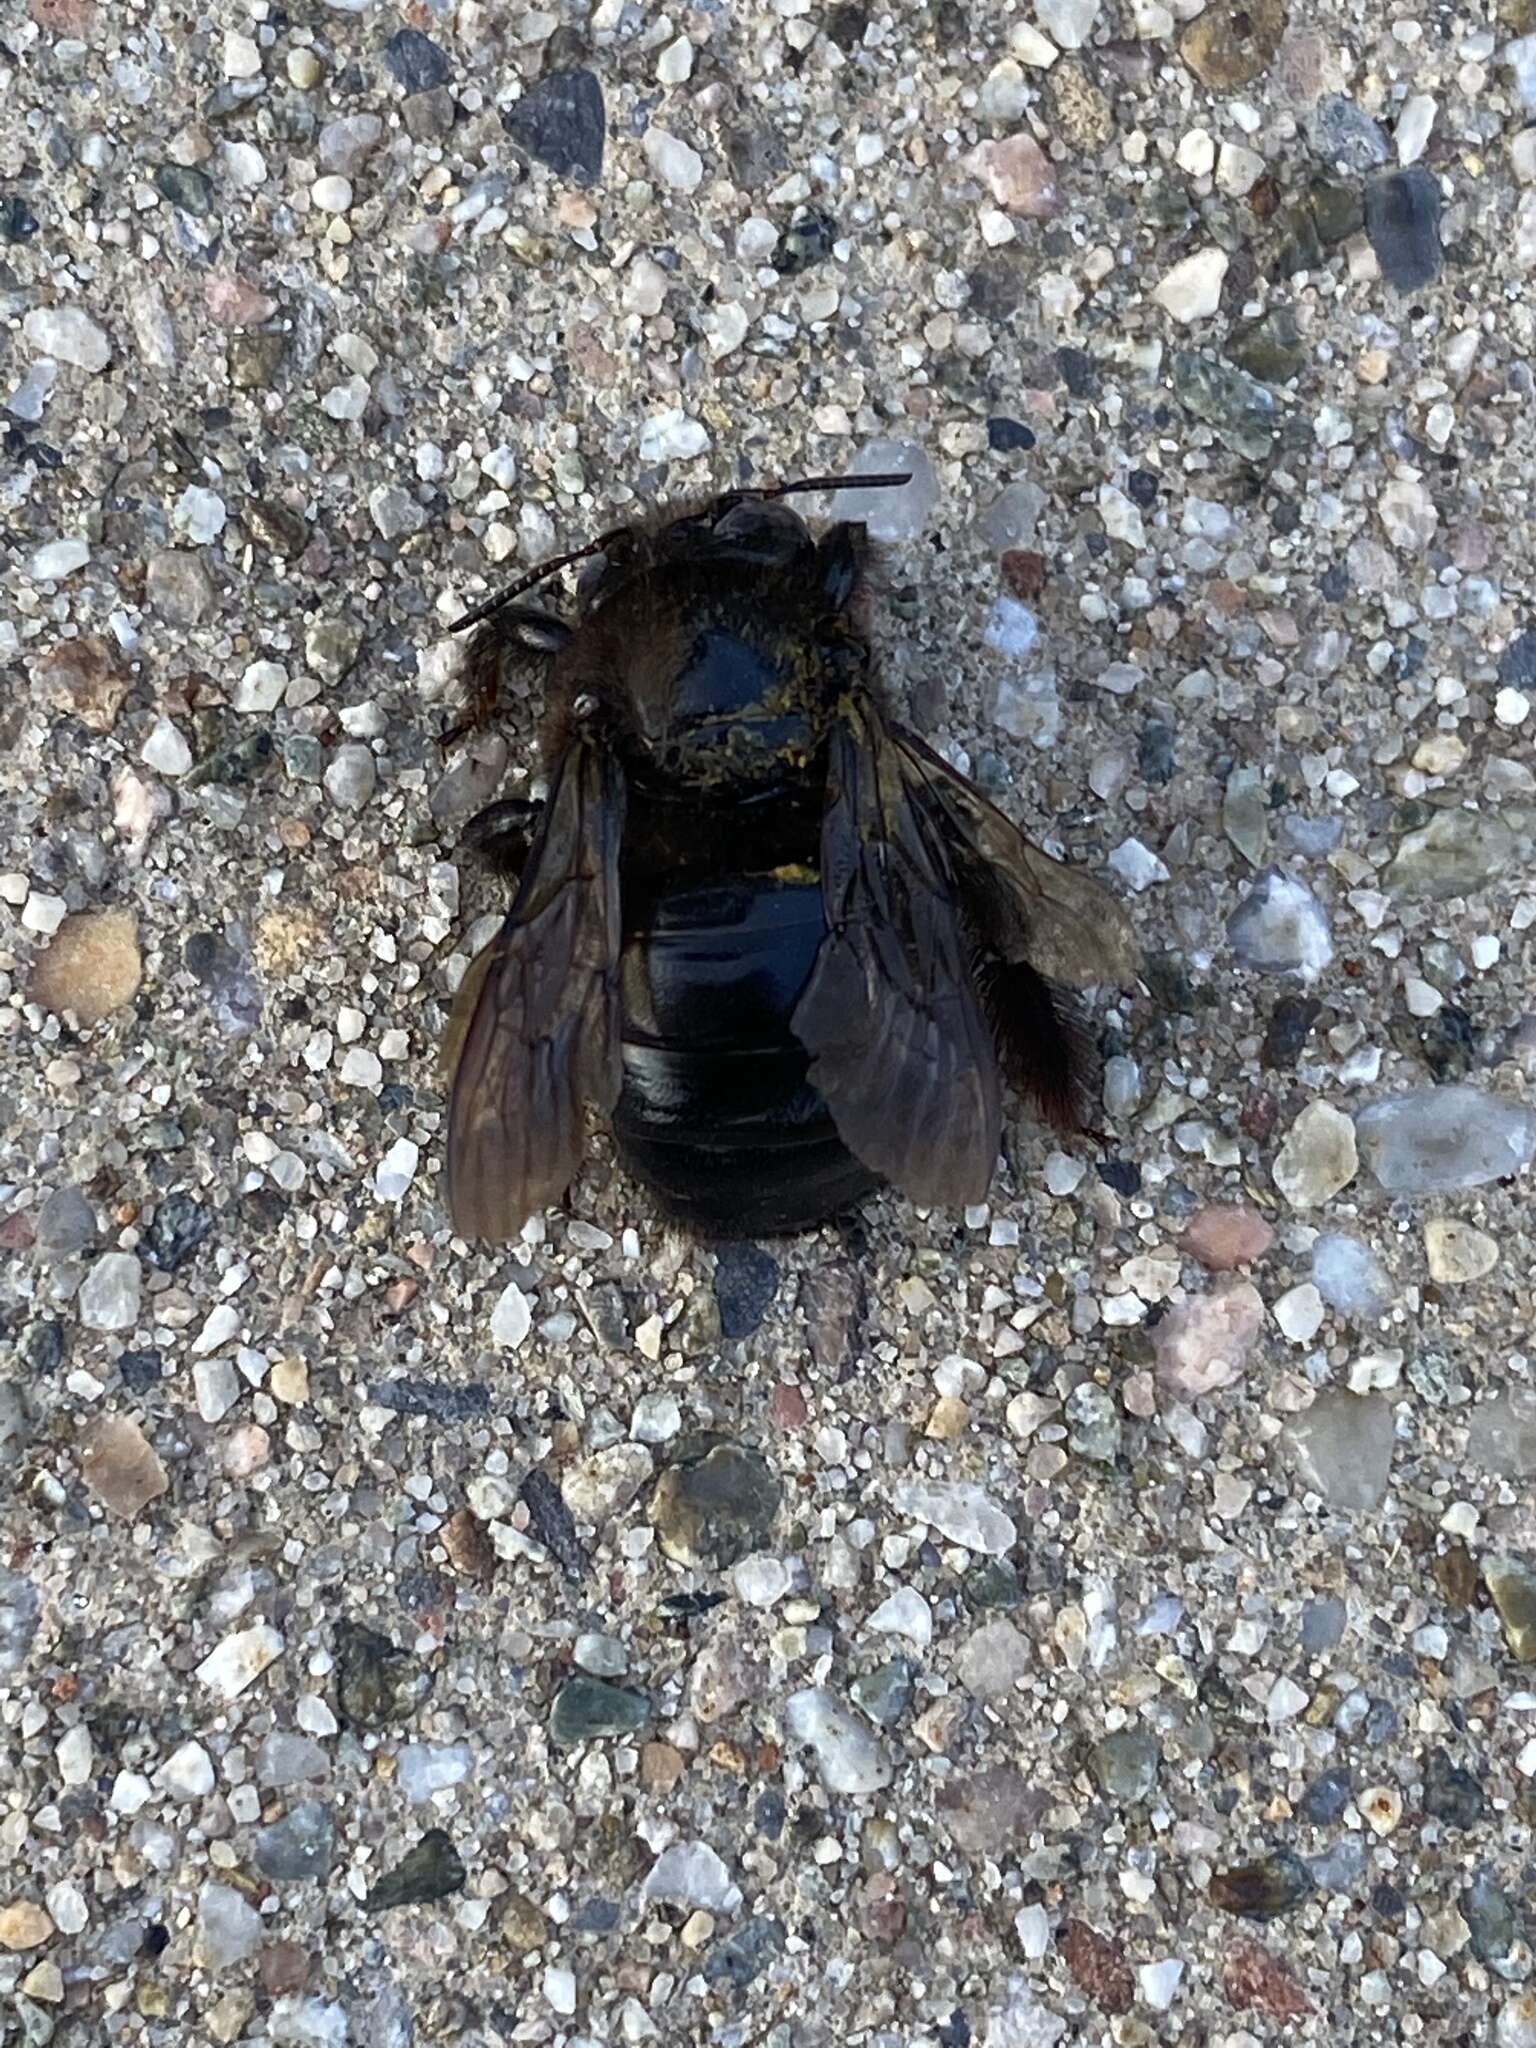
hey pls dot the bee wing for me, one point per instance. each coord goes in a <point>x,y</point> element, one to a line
<point>891,1019</point>
<point>1029,906</point>
<point>536,1027</point>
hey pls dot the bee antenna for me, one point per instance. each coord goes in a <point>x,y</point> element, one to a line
<point>534,577</point>
<point>885,482</point>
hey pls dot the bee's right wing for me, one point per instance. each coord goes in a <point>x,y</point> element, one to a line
<point>891,1016</point>
<point>535,1033</point>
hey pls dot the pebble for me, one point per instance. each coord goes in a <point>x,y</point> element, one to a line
<point>1457,853</point>
<point>746,1281</point>
<point>1318,1157</point>
<point>1192,289</point>
<point>24,1925</point>
<point>1516,2024</point>
<point>716,1509</point>
<point>69,335</point>
<point>691,1874</point>
<point>672,436</point>
<point>1125,1765</point>
<point>425,1768</point>
<point>200,514</point>
<point>1402,220</point>
<point>962,1512</point>
<point>351,777</point>
<point>1205,1343</point>
<point>1262,1890</point>
<point>301,1847</point>
<point>91,968</point>
<point>1344,134</point>
<point>1408,514</point>
<point>120,1466</point>
<point>1227,1235</point>
<point>1229,44</point>
<point>1457,1252</point>
<point>1280,927</point>
<point>1019,175</point>
<point>228,1927</point>
<point>378,1685</point>
<point>1244,412</point>
<point>239,1660</point>
<point>993,1660</point>
<point>1435,1140</point>
<point>680,168</point>
<point>1501,1434</point>
<point>900,512</point>
<point>905,1613</point>
<point>318,2023</point>
<point>885,1694</point>
<point>432,1870</point>
<point>182,592</point>
<point>849,1759</point>
<point>288,1759</point>
<point>1349,1277</point>
<point>1343,1444</point>
<point>562,122</point>
<point>1511,1583</point>
<point>84,678</point>
<point>1299,1313</point>
<point>109,1294</point>
<point>1491,1920</point>
<point>587,1709</point>
<point>166,749</point>
<point>396,1170</point>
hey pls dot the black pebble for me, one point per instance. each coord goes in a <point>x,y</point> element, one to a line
<point>415,61</point>
<point>1334,583</point>
<point>1517,664</point>
<point>141,1370</point>
<point>1155,751</point>
<point>1004,434</point>
<point>1389,1902</point>
<point>806,241</point>
<point>1451,1794</point>
<point>846,26</point>
<point>769,1814</point>
<point>1402,219</point>
<point>1326,1798</point>
<point>185,187</point>
<point>1078,372</point>
<point>180,1225</point>
<point>744,1955</point>
<point>1290,1024</point>
<point>17,220</point>
<point>434,1398</point>
<point>46,1346</point>
<point>746,1280</point>
<point>1123,1175</point>
<point>562,122</point>
<point>1141,487</point>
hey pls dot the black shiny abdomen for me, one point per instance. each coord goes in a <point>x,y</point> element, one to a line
<point>716,1115</point>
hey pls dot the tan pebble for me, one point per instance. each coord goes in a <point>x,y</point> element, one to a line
<point>1373,366</point>
<point>24,1924</point>
<point>92,966</point>
<point>289,1381</point>
<point>44,1981</point>
<point>468,1547</point>
<point>697,1929</point>
<point>951,1418</point>
<point>85,679</point>
<point>1458,1252</point>
<point>120,1466</point>
<point>1381,1806</point>
<point>660,1766</point>
<point>247,1450</point>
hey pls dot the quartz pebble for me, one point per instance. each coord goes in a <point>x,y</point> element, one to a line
<point>120,1466</point>
<point>1318,1157</point>
<point>1349,1276</point>
<point>961,1512</point>
<point>1435,1140</point>
<point>849,1760</point>
<point>1343,1445</point>
<point>1281,927</point>
<point>1458,1252</point>
<point>1204,1344</point>
<point>1192,289</point>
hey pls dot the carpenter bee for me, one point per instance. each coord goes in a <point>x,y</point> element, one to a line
<point>786,946</point>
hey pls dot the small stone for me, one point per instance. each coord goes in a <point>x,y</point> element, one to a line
<point>1343,1447</point>
<point>314,2023</point>
<point>1455,854</point>
<point>166,749</point>
<point>200,514</point>
<point>1018,174</point>
<point>885,1694</point>
<point>1402,221</point>
<point>1094,1422</point>
<point>1262,1890</point>
<point>425,1769</point>
<point>1227,1235</point>
<point>587,1709</point>
<point>182,592</point>
<point>1457,1253</point>
<point>1435,1140</point>
<point>604,1484</point>
<point>396,1170</point>
<point>1097,1966</point>
<point>1516,2024</point>
<point>1017,2019</point>
<point>228,1927</point>
<point>119,1465</point>
<point>1451,1794</point>
<point>746,1281</point>
<point>187,1772</point>
<point>1491,1920</point>
<point>240,1659</point>
<point>1318,1157</point>
<point>1081,110</point>
<point>1501,1434</point>
<point>1281,928</point>
<point>896,512</point>
<point>678,167</point>
<point>1511,1583</point>
<point>1243,411</point>
<point>91,968</point>
<point>1345,135</point>
<point>1192,289</point>
<point>993,1660</point>
<point>377,1684</point>
<point>352,776</point>
<point>905,1613</point>
<point>299,1848</point>
<point>180,1225</point>
<point>215,1387</point>
<point>1350,1278</point>
<point>432,1870</point>
<point>962,1513</point>
<point>1229,44</point>
<point>1204,1343</point>
<point>1408,514</point>
<point>109,1294</point>
<point>562,122</point>
<point>716,1509</point>
<point>69,335</point>
<point>691,1874</point>
<point>84,678</point>
<point>849,1760</point>
<point>1326,1798</point>
<point>1299,1313</point>
<point>1256,1981</point>
<point>24,1925</point>
<point>1125,1765</point>
<point>285,1758</point>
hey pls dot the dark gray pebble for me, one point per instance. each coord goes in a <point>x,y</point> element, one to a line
<point>562,122</point>
<point>1402,219</point>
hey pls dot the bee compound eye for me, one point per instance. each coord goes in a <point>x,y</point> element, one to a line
<point>584,705</point>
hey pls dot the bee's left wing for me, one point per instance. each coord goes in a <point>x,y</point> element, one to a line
<point>535,1032</point>
<point>899,1048</point>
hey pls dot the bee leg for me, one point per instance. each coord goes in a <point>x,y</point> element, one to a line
<point>515,635</point>
<point>503,832</point>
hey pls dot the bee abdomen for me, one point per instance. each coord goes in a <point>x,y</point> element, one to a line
<point>716,1114</point>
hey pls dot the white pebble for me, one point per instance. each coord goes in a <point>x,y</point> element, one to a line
<point>1192,289</point>
<point>332,194</point>
<point>56,559</point>
<point>675,164</point>
<point>240,1659</point>
<point>200,514</point>
<point>67,334</point>
<point>675,64</point>
<point>396,1170</point>
<point>1137,865</point>
<point>672,437</point>
<point>362,1067</point>
<point>216,1387</point>
<point>511,1318</point>
<point>261,687</point>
